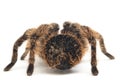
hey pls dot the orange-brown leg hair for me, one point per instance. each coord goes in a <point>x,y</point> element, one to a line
<point>103,49</point>
<point>15,52</point>
<point>93,56</point>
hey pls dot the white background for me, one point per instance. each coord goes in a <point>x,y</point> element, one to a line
<point>101,15</point>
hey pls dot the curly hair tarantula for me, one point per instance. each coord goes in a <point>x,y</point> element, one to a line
<point>60,51</point>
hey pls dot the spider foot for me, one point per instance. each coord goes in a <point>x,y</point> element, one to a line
<point>22,58</point>
<point>8,67</point>
<point>30,69</point>
<point>110,56</point>
<point>94,71</point>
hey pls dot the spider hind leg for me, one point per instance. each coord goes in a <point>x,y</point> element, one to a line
<point>27,50</point>
<point>25,53</point>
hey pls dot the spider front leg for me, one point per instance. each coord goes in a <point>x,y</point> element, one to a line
<point>17,44</point>
<point>93,56</point>
<point>32,42</point>
<point>15,50</point>
<point>103,49</point>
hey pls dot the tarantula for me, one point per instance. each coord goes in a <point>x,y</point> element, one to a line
<point>60,51</point>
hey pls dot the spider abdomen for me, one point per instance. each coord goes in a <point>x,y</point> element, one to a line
<point>63,51</point>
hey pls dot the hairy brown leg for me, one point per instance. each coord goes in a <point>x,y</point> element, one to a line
<point>15,51</point>
<point>31,63</point>
<point>30,69</point>
<point>27,50</point>
<point>25,53</point>
<point>103,49</point>
<point>93,56</point>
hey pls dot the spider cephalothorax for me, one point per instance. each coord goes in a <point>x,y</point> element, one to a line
<point>60,51</point>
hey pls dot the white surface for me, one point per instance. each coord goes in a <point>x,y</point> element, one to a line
<point>18,15</point>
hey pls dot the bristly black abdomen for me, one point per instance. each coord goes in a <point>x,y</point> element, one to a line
<point>60,50</point>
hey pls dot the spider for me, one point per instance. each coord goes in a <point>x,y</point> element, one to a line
<point>60,51</point>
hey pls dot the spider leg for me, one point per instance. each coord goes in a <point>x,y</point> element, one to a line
<point>31,63</point>
<point>103,49</point>
<point>32,55</point>
<point>93,56</point>
<point>17,44</point>
<point>27,50</point>
<point>25,53</point>
<point>15,51</point>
